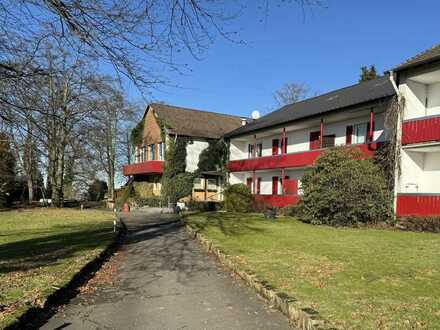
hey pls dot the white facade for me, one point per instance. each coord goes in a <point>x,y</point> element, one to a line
<point>420,162</point>
<point>298,136</point>
<point>335,126</point>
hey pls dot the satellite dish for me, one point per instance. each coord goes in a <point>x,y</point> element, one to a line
<point>255,114</point>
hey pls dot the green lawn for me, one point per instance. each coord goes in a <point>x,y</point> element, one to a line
<point>356,278</point>
<point>40,251</point>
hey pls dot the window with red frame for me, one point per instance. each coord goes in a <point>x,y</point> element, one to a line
<point>315,141</point>
<point>249,183</point>
<point>275,146</point>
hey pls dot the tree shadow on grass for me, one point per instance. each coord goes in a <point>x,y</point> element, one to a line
<point>231,224</point>
<point>49,250</point>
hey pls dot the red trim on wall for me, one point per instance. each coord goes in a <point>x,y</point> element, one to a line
<point>290,186</point>
<point>417,205</point>
<point>292,160</point>
<point>149,167</point>
<point>277,200</point>
<point>421,130</point>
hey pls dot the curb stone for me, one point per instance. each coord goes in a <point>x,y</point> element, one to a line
<point>303,318</point>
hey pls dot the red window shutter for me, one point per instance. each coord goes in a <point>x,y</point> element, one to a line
<point>249,183</point>
<point>348,135</point>
<point>291,186</point>
<point>258,185</point>
<point>274,185</point>
<point>314,140</point>
<point>275,145</point>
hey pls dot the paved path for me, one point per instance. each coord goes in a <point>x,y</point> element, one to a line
<point>166,281</point>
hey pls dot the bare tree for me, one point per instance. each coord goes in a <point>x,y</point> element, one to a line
<point>107,130</point>
<point>290,93</point>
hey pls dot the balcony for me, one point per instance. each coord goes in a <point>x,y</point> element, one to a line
<point>149,167</point>
<point>421,130</point>
<point>418,204</point>
<point>291,160</point>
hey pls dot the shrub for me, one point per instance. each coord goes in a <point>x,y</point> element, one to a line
<point>152,201</point>
<point>290,211</point>
<point>431,224</point>
<point>238,198</point>
<point>344,189</point>
<point>143,189</point>
<point>180,186</point>
<point>205,206</point>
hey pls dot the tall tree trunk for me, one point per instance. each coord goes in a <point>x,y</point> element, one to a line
<point>30,159</point>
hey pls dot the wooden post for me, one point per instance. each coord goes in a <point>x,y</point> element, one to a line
<point>283,185</point>
<point>371,131</point>
<point>321,133</point>
<point>283,141</point>
<point>254,154</point>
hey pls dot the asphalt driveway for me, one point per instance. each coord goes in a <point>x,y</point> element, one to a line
<point>166,281</point>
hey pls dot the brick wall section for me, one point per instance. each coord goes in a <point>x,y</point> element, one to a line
<point>152,132</point>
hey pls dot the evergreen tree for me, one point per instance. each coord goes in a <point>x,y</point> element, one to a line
<point>368,73</point>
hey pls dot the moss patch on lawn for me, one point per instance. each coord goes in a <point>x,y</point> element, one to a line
<point>42,249</point>
<point>355,278</point>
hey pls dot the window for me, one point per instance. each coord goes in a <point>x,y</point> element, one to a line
<point>198,184</point>
<point>314,142</point>
<point>141,157</point>
<point>249,183</point>
<point>212,184</point>
<point>348,135</point>
<point>136,155</point>
<point>284,145</point>
<point>160,151</point>
<point>259,186</point>
<point>259,149</point>
<point>250,151</point>
<point>151,157</point>
<point>275,146</point>
<point>360,133</point>
<point>328,141</point>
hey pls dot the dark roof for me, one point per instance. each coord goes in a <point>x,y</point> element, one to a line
<point>349,96</point>
<point>195,123</point>
<point>425,57</point>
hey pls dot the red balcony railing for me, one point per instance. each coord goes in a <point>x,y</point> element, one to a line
<point>297,159</point>
<point>418,205</point>
<point>421,130</point>
<point>149,167</point>
<point>277,200</point>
